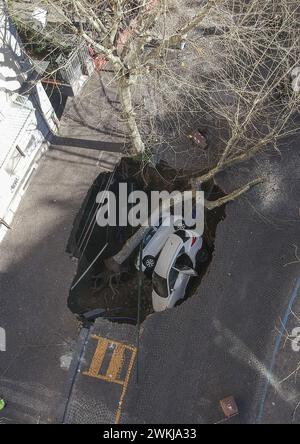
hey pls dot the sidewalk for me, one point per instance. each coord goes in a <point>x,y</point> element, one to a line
<point>35,275</point>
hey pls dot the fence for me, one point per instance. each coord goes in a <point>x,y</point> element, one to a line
<point>77,64</point>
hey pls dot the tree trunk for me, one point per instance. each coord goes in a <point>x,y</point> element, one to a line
<point>211,205</point>
<point>129,115</point>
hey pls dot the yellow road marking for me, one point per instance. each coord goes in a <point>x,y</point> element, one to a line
<point>125,386</point>
<point>115,366</point>
<point>98,359</point>
<point>116,362</point>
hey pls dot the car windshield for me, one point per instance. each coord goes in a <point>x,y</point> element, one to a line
<point>173,278</point>
<point>160,285</point>
<point>149,236</point>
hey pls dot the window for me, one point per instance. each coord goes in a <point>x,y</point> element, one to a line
<point>183,261</point>
<point>174,272</point>
<point>160,285</point>
<point>149,236</point>
<point>173,276</point>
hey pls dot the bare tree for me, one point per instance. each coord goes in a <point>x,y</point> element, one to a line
<point>229,60</point>
<point>239,76</point>
<point>119,30</point>
<point>251,51</point>
<point>254,49</point>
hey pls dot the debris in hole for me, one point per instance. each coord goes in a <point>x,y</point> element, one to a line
<point>101,293</point>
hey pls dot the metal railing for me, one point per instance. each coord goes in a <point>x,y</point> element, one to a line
<point>73,67</point>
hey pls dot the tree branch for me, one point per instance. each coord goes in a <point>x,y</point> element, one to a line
<point>175,39</point>
<point>211,205</point>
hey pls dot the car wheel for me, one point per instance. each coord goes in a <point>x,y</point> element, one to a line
<point>149,262</point>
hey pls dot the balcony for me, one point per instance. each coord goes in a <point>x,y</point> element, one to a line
<point>75,69</point>
<point>22,101</point>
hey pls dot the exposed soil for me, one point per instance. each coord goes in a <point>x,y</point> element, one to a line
<point>116,297</point>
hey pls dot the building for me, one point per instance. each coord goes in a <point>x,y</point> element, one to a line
<point>71,60</point>
<point>27,119</point>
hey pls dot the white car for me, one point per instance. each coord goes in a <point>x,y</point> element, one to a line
<point>154,241</point>
<point>175,266</point>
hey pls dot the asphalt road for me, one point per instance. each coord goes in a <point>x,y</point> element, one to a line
<point>230,337</point>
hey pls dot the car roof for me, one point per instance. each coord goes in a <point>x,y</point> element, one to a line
<point>166,257</point>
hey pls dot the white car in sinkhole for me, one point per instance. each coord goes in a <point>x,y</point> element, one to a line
<point>182,254</point>
<point>154,241</point>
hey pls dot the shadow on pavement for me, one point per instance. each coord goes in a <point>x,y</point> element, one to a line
<point>88,144</point>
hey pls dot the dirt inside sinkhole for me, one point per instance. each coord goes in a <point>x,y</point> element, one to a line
<point>116,298</point>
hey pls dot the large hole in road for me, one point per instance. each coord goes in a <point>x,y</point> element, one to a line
<point>95,292</point>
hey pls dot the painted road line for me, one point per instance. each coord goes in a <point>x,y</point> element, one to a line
<point>116,362</point>
<point>98,359</point>
<point>115,366</point>
<point>125,386</point>
<point>278,342</point>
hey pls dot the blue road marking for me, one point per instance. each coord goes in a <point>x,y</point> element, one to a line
<point>277,347</point>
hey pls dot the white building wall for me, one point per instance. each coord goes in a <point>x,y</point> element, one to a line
<point>14,63</point>
<point>25,122</point>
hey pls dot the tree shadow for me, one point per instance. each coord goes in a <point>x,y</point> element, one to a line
<point>40,329</point>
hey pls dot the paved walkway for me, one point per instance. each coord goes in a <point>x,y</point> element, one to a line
<point>35,275</point>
